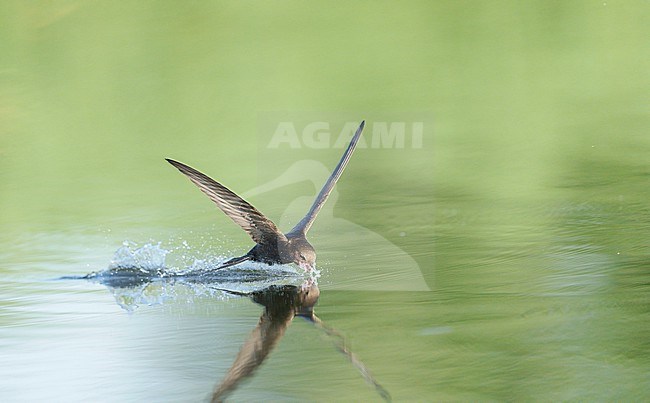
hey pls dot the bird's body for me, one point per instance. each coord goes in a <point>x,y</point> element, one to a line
<point>272,246</point>
<point>283,251</point>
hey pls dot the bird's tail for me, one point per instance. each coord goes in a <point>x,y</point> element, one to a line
<point>234,261</point>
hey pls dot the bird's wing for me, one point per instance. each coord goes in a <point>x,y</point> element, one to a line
<point>260,228</point>
<point>303,226</point>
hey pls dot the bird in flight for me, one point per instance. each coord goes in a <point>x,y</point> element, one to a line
<point>272,246</point>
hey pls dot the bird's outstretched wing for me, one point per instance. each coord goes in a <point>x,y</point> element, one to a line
<point>303,226</point>
<point>260,228</point>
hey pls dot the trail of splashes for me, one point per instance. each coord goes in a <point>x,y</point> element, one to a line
<point>141,276</point>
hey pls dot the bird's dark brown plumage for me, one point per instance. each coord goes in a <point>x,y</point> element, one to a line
<point>261,229</point>
<point>272,246</point>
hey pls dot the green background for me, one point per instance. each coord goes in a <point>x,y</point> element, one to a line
<point>526,209</point>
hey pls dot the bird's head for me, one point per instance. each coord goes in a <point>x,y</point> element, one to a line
<point>304,255</point>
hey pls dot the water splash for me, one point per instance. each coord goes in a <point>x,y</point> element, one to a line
<point>141,275</point>
<point>149,258</point>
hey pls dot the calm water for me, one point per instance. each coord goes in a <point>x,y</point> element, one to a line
<point>504,257</point>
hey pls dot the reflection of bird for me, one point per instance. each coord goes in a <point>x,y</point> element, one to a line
<point>273,246</point>
<point>281,305</point>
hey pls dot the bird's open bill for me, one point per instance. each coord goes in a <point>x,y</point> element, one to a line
<point>308,268</point>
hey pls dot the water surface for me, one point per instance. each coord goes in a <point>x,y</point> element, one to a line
<point>504,259</point>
